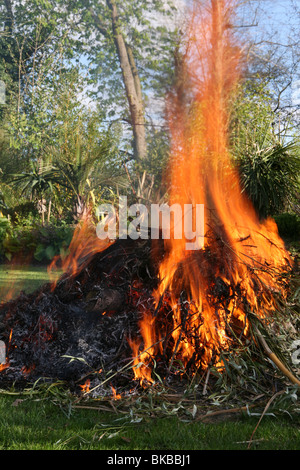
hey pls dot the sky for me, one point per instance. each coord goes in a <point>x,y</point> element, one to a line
<point>279,20</point>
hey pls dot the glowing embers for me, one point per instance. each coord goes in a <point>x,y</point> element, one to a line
<point>85,388</point>
<point>115,395</point>
<point>5,363</point>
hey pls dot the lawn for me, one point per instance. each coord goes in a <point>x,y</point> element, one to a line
<point>13,279</point>
<point>53,421</point>
<point>39,424</point>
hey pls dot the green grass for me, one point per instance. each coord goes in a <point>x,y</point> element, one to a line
<point>34,424</point>
<point>13,279</point>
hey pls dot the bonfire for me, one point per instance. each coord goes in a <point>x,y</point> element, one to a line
<point>138,314</point>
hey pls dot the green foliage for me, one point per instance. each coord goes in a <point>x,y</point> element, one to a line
<point>19,244</point>
<point>10,163</point>
<point>270,177</point>
<point>24,213</point>
<point>288,225</point>
<point>269,167</point>
<point>3,206</point>
<point>29,30</point>
<point>53,240</point>
<point>5,228</point>
<point>251,118</point>
<point>87,157</point>
<point>47,119</point>
<point>68,152</point>
<point>37,181</point>
<point>40,243</point>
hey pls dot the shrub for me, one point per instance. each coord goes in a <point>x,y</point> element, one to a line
<point>270,177</point>
<point>288,225</point>
<point>53,240</point>
<point>40,243</point>
<point>19,244</point>
<point>24,213</point>
<point>5,227</point>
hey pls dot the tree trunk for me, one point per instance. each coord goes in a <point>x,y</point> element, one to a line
<point>132,85</point>
<point>49,210</point>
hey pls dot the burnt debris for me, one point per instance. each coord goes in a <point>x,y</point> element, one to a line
<point>82,324</point>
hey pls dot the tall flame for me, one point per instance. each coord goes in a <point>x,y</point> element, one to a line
<point>238,247</point>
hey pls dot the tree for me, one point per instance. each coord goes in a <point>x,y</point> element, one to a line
<point>84,171</point>
<point>272,40</point>
<point>32,32</point>
<point>125,34</point>
<point>62,132</point>
<point>37,182</point>
<point>34,49</point>
<point>128,55</point>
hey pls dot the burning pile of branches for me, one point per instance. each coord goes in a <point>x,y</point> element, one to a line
<point>83,330</point>
<point>151,310</point>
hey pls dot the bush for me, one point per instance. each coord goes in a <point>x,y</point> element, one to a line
<point>5,227</point>
<point>288,226</point>
<point>53,241</point>
<point>19,244</point>
<point>40,243</point>
<point>270,177</point>
<point>24,213</point>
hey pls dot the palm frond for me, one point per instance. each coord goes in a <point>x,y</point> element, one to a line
<point>270,175</point>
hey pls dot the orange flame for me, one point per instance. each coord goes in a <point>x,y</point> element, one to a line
<point>83,246</point>
<point>116,396</point>
<point>86,386</point>
<point>27,370</point>
<point>142,370</point>
<point>5,365</point>
<point>201,172</point>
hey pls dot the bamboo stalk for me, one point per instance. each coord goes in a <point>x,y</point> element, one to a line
<point>229,411</point>
<point>272,356</point>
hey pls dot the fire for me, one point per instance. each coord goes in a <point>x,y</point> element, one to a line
<point>27,370</point>
<point>83,246</point>
<point>116,396</point>
<point>5,365</point>
<point>240,251</point>
<point>142,369</point>
<point>86,386</point>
